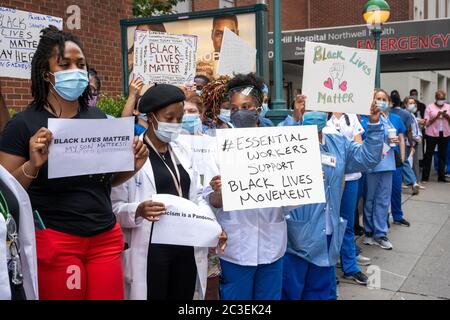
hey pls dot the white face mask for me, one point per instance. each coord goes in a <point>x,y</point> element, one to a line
<point>412,108</point>
<point>166,132</point>
<point>440,102</point>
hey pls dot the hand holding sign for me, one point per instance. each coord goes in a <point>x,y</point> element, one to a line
<point>38,148</point>
<point>150,210</point>
<point>374,113</point>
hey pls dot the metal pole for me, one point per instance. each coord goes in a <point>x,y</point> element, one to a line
<point>278,102</point>
<point>377,36</point>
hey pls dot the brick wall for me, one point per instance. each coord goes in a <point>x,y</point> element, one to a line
<point>99,33</point>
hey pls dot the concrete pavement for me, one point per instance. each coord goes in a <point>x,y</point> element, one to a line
<point>418,267</point>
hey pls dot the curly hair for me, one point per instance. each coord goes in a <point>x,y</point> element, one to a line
<point>213,95</point>
<point>51,38</point>
<point>247,80</point>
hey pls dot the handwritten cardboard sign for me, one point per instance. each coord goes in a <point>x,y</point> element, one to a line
<point>19,38</point>
<point>82,147</point>
<point>164,58</point>
<point>339,79</point>
<point>270,167</point>
<point>236,56</point>
<point>185,224</point>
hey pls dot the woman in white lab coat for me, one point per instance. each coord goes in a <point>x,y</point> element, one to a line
<point>149,277</point>
<point>26,285</point>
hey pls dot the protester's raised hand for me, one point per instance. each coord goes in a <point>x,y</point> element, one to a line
<point>140,154</point>
<point>135,87</point>
<point>374,113</point>
<point>222,242</point>
<point>150,210</point>
<point>38,147</point>
<point>216,184</point>
<point>299,107</point>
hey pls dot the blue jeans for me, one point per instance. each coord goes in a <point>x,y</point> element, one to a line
<point>408,173</point>
<point>447,160</point>
<point>262,282</point>
<point>376,206</point>
<point>303,280</point>
<point>396,196</point>
<point>348,249</point>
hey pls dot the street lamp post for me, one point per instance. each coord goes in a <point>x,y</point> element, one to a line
<point>375,13</point>
<point>278,110</point>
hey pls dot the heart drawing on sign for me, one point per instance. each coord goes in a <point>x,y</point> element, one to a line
<point>328,84</point>
<point>343,86</point>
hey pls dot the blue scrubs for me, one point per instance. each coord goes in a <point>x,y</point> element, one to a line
<point>397,178</point>
<point>262,282</point>
<point>316,231</point>
<point>348,206</point>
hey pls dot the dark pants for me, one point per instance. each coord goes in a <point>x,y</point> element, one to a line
<point>442,143</point>
<point>171,272</point>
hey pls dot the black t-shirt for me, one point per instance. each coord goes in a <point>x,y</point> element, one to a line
<point>17,291</point>
<point>163,178</point>
<point>75,205</point>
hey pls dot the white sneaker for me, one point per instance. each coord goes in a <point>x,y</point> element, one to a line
<point>415,189</point>
<point>363,261</point>
<point>368,241</point>
<point>421,187</point>
<point>383,243</point>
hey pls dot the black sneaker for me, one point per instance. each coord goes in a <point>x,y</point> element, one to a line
<point>358,277</point>
<point>359,231</point>
<point>402,222</point>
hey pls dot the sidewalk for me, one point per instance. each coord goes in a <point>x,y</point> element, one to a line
<point>418,267</point>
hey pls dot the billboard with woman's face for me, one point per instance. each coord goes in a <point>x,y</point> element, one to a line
<point>209,32</point>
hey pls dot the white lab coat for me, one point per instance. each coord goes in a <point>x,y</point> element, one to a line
<point>27,242</point>
<point>126,198</point>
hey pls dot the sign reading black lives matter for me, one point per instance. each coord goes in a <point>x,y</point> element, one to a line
<point>90,146</point>
<point>164,58</point>
<point>270,167</point>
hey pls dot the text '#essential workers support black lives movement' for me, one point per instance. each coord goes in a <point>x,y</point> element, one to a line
<point>270,167</point>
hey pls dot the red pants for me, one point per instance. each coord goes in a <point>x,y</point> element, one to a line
<point>80,268</point>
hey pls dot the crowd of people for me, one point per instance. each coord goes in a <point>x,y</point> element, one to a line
<point>99,226</point>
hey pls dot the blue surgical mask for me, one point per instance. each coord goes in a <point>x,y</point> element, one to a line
<point>383,105</point>
<point>192,123</point>
<point>225,115</point>
<point>264,109</point>
<point>315,118</point>
<point>166,132</point>
<point>70,84</point>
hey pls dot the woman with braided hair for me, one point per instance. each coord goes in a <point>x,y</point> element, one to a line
<point>216,104</point>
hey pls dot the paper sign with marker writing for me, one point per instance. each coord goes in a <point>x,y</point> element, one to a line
<point>185,224</point>
<point>164,58</point>
<point>82,147</point>
<point>203,148</point>
<point>236,56</point>
<point>19,38</point>
<point>338,78</point>
<point>270,167</point>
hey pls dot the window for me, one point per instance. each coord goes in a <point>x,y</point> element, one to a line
<point>183,6</point>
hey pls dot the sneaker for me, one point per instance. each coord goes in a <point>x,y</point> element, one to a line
<point>402,222</point>
<point>358,277</point>
<point>421,187</point>
<point>359,231</point>
<point>362,261</point>
<point>368,240</point>
<point>416,189</point>
<point>404,186</point>
<point>444,181</point>
<point>383,243</point>
<point>447,175</point>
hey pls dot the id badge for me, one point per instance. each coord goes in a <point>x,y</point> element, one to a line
<point>329,160</point>
<point>386,149</point>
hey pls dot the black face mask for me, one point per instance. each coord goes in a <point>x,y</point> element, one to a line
<point>244,118</point>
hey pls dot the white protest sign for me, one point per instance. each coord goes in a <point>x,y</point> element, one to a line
<point>236,56</point>
<point>185,224</point>
<point>203,148</point>
<point>82,147</point>
<point>338,79</point>
<point>164,58</point>
<point>19,38</point>
<point>270,167</point>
